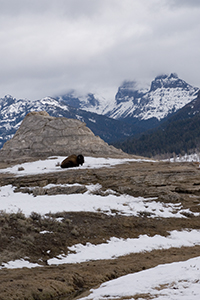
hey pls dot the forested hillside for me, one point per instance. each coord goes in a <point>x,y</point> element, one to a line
<point>179,134</point>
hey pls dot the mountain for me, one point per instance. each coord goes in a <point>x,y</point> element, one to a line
<point>166,95</point>
<point>131,112</point>
<point>179,134</point>
<point>13,111</point>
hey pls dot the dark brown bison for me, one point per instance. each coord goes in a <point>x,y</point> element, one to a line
<point>72,161</point>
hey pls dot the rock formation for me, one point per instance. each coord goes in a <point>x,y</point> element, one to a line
<point>41,135</point>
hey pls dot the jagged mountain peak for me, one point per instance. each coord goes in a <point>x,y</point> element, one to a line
<point>7,100</point>
<point>164,77</point>
<point>8,96</point>
<point>168,81</point>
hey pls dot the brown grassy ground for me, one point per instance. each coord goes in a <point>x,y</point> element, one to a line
<point>20,236</point>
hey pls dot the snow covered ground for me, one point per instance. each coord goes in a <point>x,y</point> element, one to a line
<point>12,202</point>
<point>175,281</point>
<point>180,280</point>
<point>119,247</point>
<point>52,165</point>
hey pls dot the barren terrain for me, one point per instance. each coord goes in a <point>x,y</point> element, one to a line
<point>20,235</point>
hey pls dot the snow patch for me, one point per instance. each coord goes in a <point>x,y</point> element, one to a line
<point>175,281</point>
<point>18,264</point>
<point>116,247</point>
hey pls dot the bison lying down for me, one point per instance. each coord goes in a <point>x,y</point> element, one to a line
<point>72,161</point>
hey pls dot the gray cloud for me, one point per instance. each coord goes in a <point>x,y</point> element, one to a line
<point>48,47</point>
<point>187,3</point>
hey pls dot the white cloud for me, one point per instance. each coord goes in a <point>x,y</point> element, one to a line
<point>48,47</point>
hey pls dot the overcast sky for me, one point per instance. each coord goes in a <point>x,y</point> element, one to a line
<point>48,47</point>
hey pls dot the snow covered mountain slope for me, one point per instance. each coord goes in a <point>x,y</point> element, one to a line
<point>166,95</point>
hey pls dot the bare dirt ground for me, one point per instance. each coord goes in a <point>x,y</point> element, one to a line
<point>20,236</point>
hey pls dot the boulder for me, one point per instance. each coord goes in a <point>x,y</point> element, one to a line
<point>41,135</point>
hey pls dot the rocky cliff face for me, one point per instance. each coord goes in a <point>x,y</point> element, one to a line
<point>41,135</point>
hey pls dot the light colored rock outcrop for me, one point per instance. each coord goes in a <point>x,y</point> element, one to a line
<point>41,135</point>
